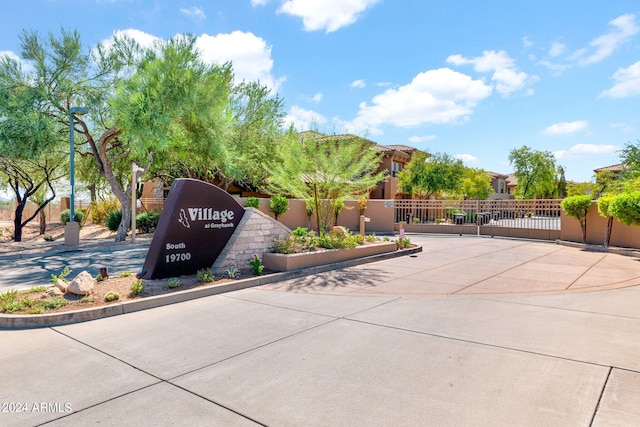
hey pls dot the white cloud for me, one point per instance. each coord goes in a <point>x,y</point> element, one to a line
<point>317,97</point>
<point>556,49</point>
<point>580,150</point>
<point>565,128</point>
<point>303,119</point>
<point>624,27</point>
<point>26,67</point>
<point>419,139</point>
<point>506,76</point>
<point>627,82</point>
<point>434,96</point>
<point>250,55</point>
<point>526,42</point>
<point>328,15</point>
<point>258,2</point>
<point>145,40</point>
<point>358,83</point>
<point>466,158</point>
<point>195,13</point>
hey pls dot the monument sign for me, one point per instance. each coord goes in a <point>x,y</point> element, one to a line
<point>197,221</point>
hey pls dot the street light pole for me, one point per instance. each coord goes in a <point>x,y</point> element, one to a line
<point>72,229</point>
<point>72,112</point>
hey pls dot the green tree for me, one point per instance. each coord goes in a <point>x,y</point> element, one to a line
<point>278,205</point>
<point>427,174</point>
<point>475,184</point>
<point>535,171</point>
<point>325,170</point>
<point>144,104</point>
<point>580,188</point>
<point>561,184</point>
<point>578,207</point>
<point>606,182</point>
<point>31,144</point>
<point>626,207</point>
<point>604,205</point>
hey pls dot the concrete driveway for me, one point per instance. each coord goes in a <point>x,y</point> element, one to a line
<point>341,348</point>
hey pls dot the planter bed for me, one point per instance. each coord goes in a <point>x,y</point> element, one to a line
<point>288,262</point>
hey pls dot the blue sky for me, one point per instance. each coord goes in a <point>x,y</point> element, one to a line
<point>474,79</point>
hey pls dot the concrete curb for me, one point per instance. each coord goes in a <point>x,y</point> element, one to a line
<point>26,321</point>
<point>597,248</point>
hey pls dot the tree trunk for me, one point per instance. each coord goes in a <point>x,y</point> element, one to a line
<point>607,231</point>
<point>583,223</point>
<point>42,217</point>
<point>17,222</point>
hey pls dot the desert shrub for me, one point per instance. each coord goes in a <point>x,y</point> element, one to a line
<point>252,202</point>
<point>111,296</point>
<point>65,216</point>
<point>147,222</point>
<point>137,287</point>
<point>100,210</point>
<point>278,205</point>
<point>173,282</point>
<point>113,220</point>
<point>204,275</point>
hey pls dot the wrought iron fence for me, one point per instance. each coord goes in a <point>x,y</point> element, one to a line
<point>530,214</point>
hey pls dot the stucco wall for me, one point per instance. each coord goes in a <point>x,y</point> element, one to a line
<point>622,235</point>
<point>381,213</point>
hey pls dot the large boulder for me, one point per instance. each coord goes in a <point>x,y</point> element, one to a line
<point>82,284</point>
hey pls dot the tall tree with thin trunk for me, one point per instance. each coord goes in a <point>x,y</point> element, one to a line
<point>325,170</point>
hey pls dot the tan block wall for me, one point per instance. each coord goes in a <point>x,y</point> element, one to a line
<point>382,217</point>
<point>622,235</point>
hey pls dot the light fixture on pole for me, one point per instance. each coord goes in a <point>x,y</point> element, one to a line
<point>134,184</point>
<point>72,229</point>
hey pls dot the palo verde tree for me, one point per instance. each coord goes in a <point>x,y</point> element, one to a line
<point>535,171</point>
<point>428,174</point>
<point>31,144</point>
<point>325,170</point>
<point>143,103</point>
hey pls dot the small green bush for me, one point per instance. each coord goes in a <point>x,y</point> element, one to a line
<point>100,210</point>
<point>53,303</point>
<point>111,296</point>
<point>204,275</point>
<point>252,202</point>
<point>65,216</point>
<point>113,220</point>
<point>62,276</point>
<point>147,222</point>
<point>232,273</point>
<point>256,265</point>
<point>173,282</point>
<point>626,207</point>
<point>100,278</point>
<point>137,287</point>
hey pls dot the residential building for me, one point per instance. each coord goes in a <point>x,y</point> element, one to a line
<point>504,186</point>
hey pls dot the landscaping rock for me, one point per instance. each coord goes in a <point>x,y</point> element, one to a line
<point>53,291</point>
<point>62,285</point>
<point>340,229</point>
<point>83,284</point>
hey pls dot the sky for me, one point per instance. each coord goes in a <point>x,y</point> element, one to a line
<point>473,79</point>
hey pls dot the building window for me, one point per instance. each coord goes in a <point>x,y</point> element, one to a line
<point>396,167</point>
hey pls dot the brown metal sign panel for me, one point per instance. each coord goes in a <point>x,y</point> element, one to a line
<point>197,221</point>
